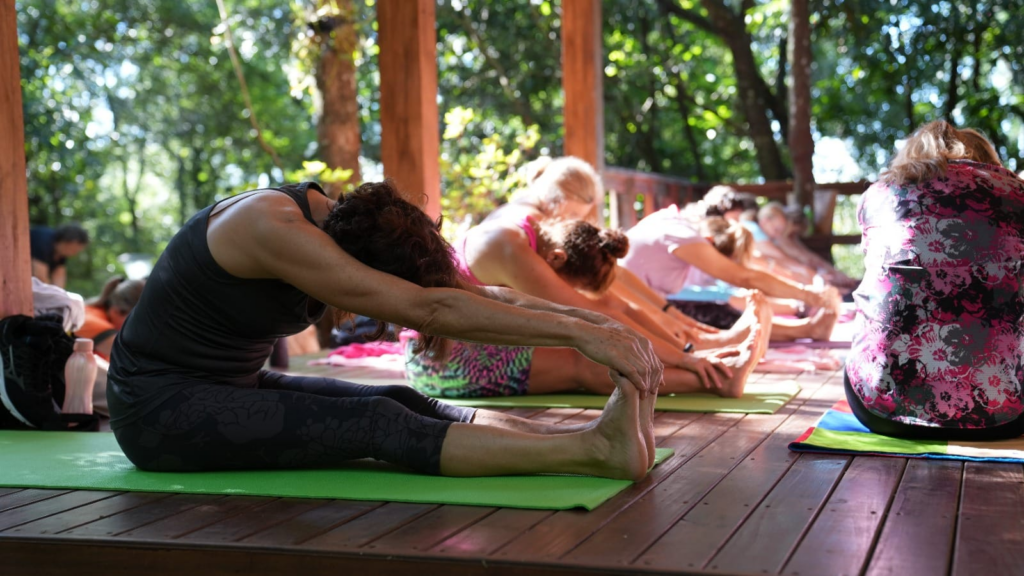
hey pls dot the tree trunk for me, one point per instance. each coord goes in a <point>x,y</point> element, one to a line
<point>801,143</point>
<point>751,88</point>
<point>338,129</point>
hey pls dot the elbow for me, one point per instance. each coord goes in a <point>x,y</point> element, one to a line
<point>430,317</point>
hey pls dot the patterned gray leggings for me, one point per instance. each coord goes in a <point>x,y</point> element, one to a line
<point>290,422</point>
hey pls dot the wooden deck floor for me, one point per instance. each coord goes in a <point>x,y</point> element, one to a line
<point>733,499</point>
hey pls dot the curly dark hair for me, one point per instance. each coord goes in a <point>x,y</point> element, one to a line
<point>591,253</point>
<point>378,227</point>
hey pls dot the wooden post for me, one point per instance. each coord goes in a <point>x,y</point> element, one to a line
<point>410,134</point>
<point>801,143</point>
<point>582,74</point>
<point>15,262</point>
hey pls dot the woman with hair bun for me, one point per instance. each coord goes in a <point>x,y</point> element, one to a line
<point>937,353</point>
<point>187,391</point>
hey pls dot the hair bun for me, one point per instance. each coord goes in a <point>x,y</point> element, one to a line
<point>614,242</point>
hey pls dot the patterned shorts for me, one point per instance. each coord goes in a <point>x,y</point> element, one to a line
<point>471,371</point>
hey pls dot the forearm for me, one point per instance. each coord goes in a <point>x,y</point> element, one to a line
<point>461,315</point>
<point>630,286</point>
<point>516,298</point>
<point>646,318</point>
<point>779,288</point>
<point>59,277</point>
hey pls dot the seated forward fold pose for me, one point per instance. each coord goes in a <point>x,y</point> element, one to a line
<point>187,391</point>
<point>666,246</point>
<point>938,350</point>
<point>522,247</point>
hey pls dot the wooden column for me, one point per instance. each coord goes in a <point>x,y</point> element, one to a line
<point>410,135</point>
<point>582,74</point>
<point>15,263</point>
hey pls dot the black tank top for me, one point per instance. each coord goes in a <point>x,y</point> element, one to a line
<point>196,323</point>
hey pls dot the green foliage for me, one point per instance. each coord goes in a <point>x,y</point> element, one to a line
<point>479,174</point>
<point>134,118</point>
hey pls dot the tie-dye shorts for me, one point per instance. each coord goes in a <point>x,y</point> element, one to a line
<point>471,371</point>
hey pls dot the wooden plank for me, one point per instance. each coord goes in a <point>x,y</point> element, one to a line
<point>430,529</point>
<point>86,514</point>
<point>48,507</point>
<point>85,558</point>
<point>491,533</point>
<point>369,526</point>
<point>556,535</point>
<point>990,535</point>
<point>841,538</point>
<point>253,520</point>
<point>410,134</point>
<point>6,491</point>
<point>24,497</point>
<point>765,540</point>
<point>582,82</point>
<point>194,518</point>
<point>697,536</point>
<point>312,523</point>
<point>15,265</point>
<point>140,516</point>
<point>917,538</point>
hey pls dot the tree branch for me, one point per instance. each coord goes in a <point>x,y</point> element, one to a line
<point>237,64</point>
<point>671,7</point>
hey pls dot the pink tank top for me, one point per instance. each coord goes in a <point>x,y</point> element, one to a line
<point>526,224</point>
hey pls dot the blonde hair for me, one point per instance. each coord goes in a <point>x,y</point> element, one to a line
<point>927,152</point>
<point>732,240</point>
<point>552,182</point>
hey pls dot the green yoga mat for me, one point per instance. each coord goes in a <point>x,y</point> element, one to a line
<point>93,461</point>
<point>757,399</point>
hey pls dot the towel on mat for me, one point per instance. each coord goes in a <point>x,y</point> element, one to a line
<point>839,432</point>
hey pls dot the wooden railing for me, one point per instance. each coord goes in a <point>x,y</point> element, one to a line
<point>633,195</point>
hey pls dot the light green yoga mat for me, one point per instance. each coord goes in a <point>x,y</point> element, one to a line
<point>93,461</point>
<point>757,399</point>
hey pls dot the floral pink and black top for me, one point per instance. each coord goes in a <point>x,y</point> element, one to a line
<point>940,338</point>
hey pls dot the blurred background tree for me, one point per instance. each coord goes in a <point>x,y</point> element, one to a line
<point>135,116</point>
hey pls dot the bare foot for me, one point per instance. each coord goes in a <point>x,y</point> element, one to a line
<point>619,448</point>
<point>743,358</point>
<point>646,423</point>
<point>741,329</point>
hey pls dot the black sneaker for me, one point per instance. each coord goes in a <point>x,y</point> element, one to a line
<point>26,356</point>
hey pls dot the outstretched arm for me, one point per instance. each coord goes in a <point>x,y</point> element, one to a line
<point>709,260</point>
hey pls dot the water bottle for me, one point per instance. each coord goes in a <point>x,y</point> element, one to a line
<point>79,378</point>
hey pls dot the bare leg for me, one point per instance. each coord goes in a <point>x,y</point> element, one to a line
<point>556,370</point>
<point>509,422</point>
<point>614,448</point>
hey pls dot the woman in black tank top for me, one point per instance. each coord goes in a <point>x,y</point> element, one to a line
<point>187,390</point>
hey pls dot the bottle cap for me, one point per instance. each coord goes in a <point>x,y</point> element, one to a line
<point>83,345</point>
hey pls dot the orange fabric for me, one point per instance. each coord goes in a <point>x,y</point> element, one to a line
<point>96,323</point>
